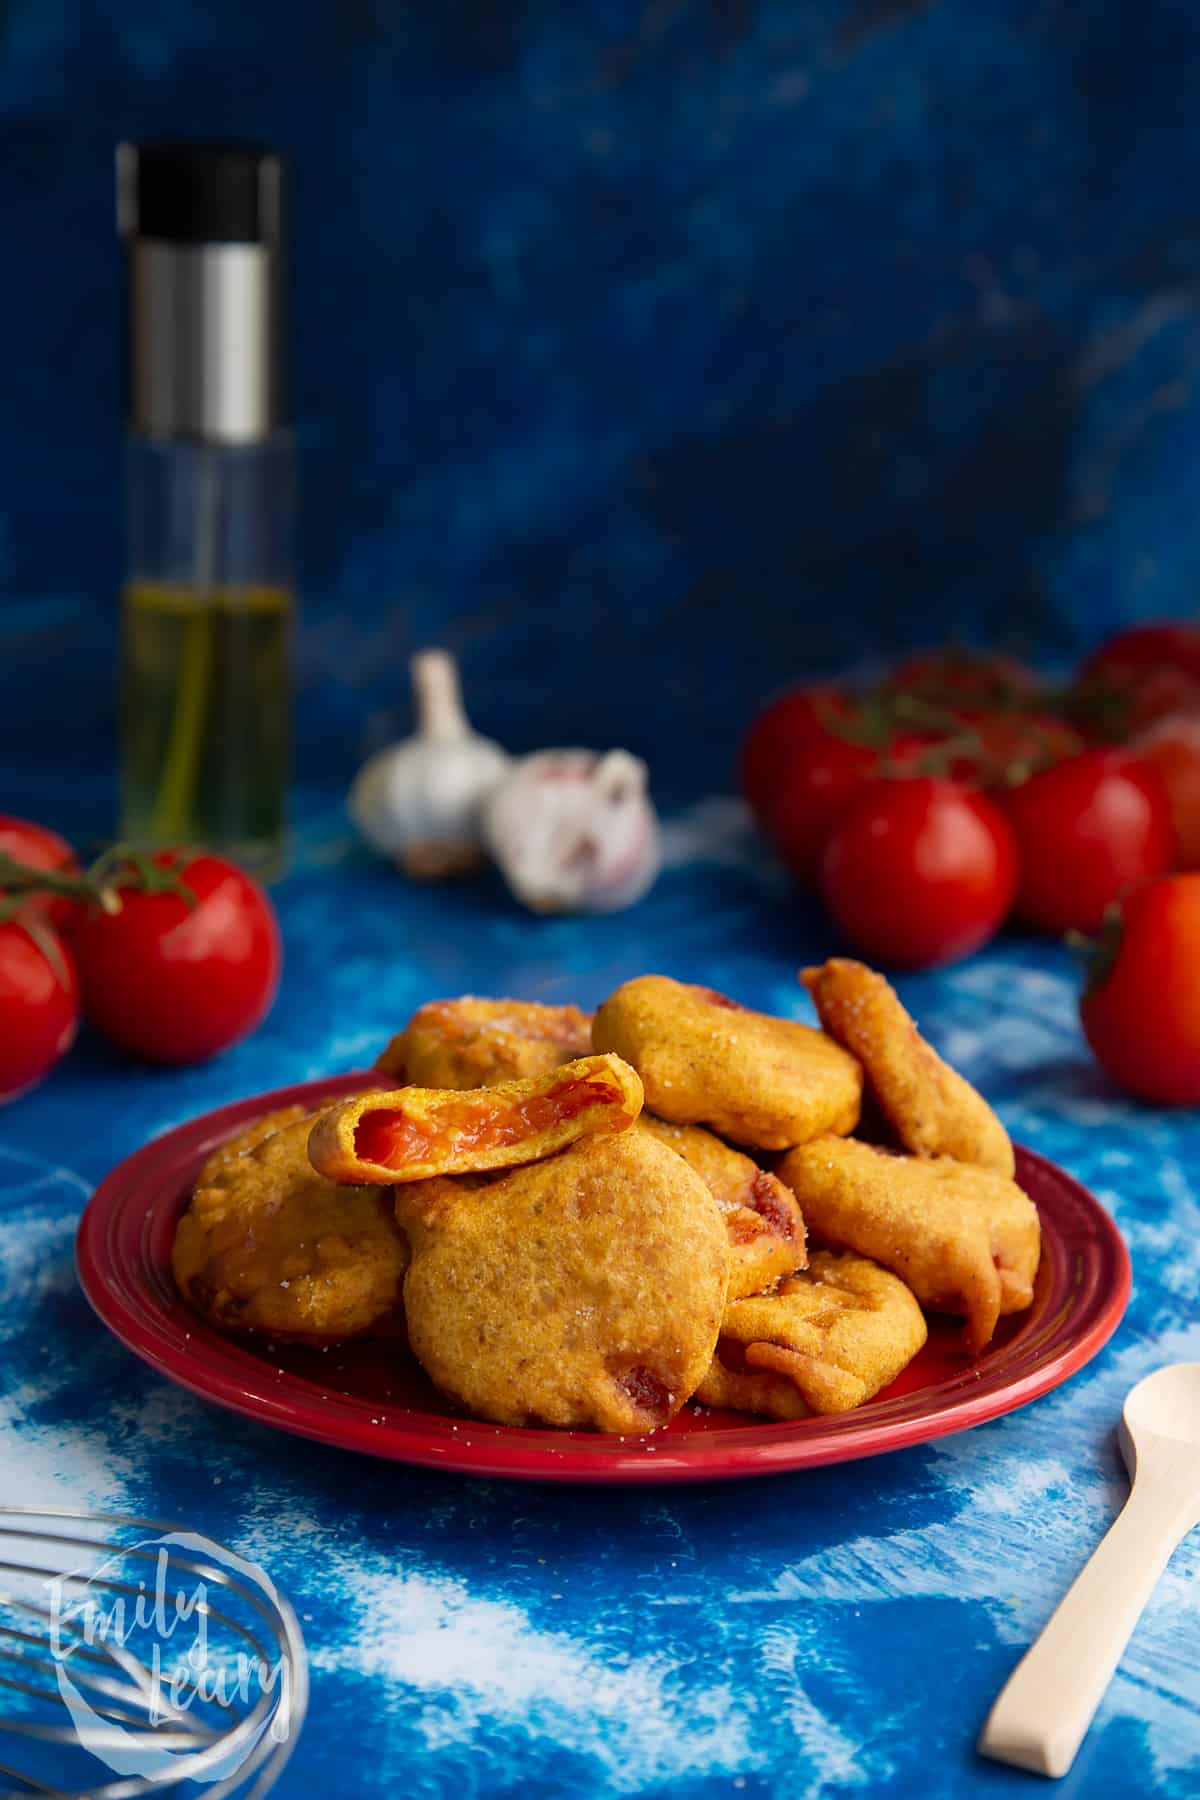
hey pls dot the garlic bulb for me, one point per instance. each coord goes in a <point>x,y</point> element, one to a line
<point>574,831</point>
<point>419,801</point>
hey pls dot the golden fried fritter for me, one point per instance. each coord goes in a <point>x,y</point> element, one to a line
<point>585,1290</point>
<point>965,1239</point>
<point>412,1133</point>
<point>705,1060</point>
<point>762,1219</point>
<point>472,1043</point>
<point>824,1342</point>
<point>266,1245</point>
<point>248,1138</point>
<point>933,1110</point>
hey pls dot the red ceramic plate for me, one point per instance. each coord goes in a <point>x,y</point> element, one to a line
<point>369,1396</point>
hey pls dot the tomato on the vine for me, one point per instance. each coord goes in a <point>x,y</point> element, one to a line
<point>956,676</point>
<point>37,847</point>
<point>1087,829</point>
<point>39,1003</point>
<point>1137,677</point>
<point>1141,1010</point>
<point>782,729</point>
<point>1162,644</point>
<point>808,800</point>
<point>1172,746</point>
<point>919,870</point>
<point>175,982</point>
<point>1005,747</point>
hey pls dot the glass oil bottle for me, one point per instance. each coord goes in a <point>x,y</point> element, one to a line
<point>207,604</point>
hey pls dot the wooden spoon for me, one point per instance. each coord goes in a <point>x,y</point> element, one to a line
<point>1049,1700</point>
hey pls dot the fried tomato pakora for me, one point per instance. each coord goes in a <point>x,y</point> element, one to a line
<point>762,1220</point>
<point>267,1245</point>
<point>413,1133</point>
<point>933,1110</point>
<point>965,1239</point>
<point>248,1138</point>
<point>825,1341</point>
<point>705,1060</point>
<point>585,1290</point>
<point>472,1043</point>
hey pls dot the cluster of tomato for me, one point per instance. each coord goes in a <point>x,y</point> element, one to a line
<point>173,957</point>
<point>962,792</point>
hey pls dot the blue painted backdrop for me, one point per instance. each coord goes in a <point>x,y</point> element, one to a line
<point>643,351</point>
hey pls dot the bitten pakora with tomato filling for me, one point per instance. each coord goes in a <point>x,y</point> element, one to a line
<point>931,1108</point>
<point>585,1290</point>
<point>266,1245</point>
<point>762,1220</point>
<point>414,1133</point>
<point>705,1060</point>
<point>965,1240</point>
<point>825,1341</point>
<point>248,1138</point>
<point>472,1043</point>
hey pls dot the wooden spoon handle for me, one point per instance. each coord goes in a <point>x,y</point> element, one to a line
<point>1048,1702</point>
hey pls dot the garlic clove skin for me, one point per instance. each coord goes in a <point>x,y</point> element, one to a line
<point>420,801</point>
<point>574,831</point>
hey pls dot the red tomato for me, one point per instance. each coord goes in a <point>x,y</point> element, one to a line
<point>1087,829</point>
<point>1137,677</point>
<point>1172,746</point>
<point>821,776</point>
<point>39,1004</point>
<point>175,984</point>
<point>37,847</point>
<point>1141,1015</point>
<point>778,732</point>
<point>1164,644</point>
<point>919,871</point>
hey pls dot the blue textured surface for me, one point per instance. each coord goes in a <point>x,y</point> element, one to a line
<point>625,326</point>
<point>837,1632</point>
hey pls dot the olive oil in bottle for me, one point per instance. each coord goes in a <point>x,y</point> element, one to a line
<point>205,703</point>
<point>207,602</point>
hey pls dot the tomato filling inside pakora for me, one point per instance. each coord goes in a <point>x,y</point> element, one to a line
<point>765,1200</point>
<point>715,997</point>
<point>388,1137</point>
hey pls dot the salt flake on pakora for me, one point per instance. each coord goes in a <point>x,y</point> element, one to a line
<point>933,1110</point>
<point>965,1239</point>
<point>267,1245</point>
<point>762,1220</point>
<point>705,1060</point>
<point>585,1290</point>
<point>414,1133</point>
<point>825,1341</point>
<point>472,1043</point>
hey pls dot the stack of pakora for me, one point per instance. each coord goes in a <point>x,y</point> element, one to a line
<point>590,1221</point>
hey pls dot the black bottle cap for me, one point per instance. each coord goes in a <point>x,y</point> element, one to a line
<point>200,193</point>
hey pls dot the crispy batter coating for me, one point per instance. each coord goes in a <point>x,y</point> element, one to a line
<point>248,1138</point>
<point>705,1060</point>
<point>472,1043</point>
<point>965,1239</point>
<point>412,1133</point>
<point>762,1220</point>
<point>585,1290</point>
<point>933,1110</point>
<point>826,1341</point>
<point>266,1245</point>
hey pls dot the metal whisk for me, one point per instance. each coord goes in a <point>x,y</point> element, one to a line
<point>135,1656</point>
